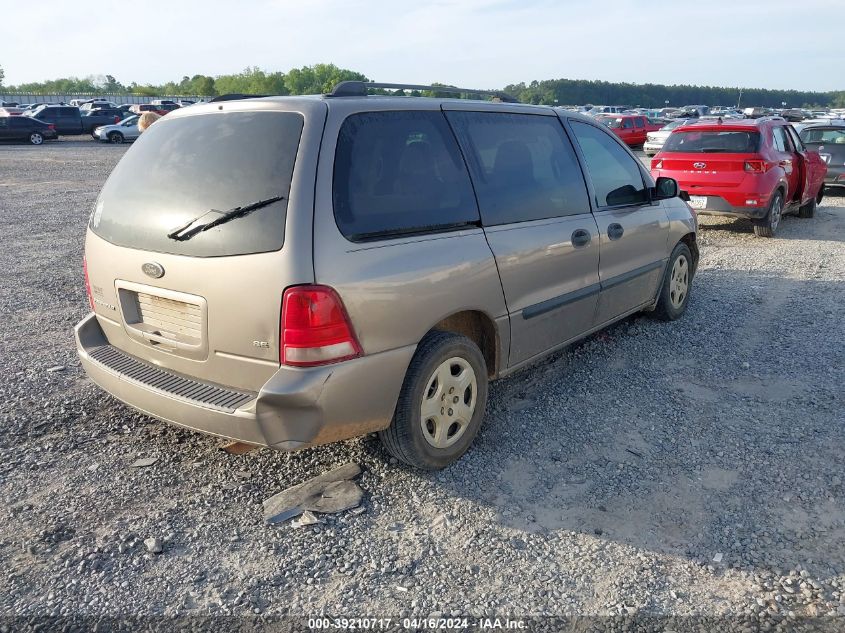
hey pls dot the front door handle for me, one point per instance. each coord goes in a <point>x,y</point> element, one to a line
<point>615,231</point>
<point>580,237</point>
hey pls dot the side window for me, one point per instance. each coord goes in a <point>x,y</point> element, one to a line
<point>627,123</point>
<point>616,178</point>
<point>399,173</point>
<point>523,166</point>
<point>779,139</point>
<point>638,122</point>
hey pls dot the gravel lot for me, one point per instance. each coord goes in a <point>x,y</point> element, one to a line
<point>690,468</point>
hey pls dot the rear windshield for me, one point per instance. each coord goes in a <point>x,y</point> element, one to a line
<point>180,169</point>
<point>713,141</point>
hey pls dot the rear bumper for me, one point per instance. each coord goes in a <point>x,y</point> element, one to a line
<point>717,205</point>
<point>652,146</point>
<point>296,408</point>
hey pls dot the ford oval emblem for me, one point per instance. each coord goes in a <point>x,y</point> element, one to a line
<point>699,165</point>
<point>153,269</point>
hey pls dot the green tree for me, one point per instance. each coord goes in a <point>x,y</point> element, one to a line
<point>2,75</point>
<point>318,79</point>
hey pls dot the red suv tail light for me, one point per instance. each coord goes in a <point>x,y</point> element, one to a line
<point>315,329</point>
<point>87,283</point>
<point>756,166</point>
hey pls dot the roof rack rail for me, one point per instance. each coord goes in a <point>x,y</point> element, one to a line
<point>359,89</point>
<point>233,96</point>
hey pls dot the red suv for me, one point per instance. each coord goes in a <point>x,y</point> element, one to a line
<point>748,168</point>
<point>631,128</point>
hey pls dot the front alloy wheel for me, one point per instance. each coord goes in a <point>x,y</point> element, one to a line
<point>35,138</point>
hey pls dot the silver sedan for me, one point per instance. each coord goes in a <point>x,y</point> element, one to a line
<point>126,130</point>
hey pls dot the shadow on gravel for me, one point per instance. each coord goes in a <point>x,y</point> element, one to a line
<point>791,228</point>
<point>717,436</point>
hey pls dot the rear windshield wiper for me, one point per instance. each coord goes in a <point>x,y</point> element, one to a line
<point>193,227</point>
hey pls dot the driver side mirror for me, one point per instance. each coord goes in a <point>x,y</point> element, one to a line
<point>665,188</point>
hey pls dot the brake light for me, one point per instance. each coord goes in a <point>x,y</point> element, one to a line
<point>51,126</point>
<point>657,163</point>
<point>87,283</point>
<point>315,328</point>
<point>756,166</point>
<point>116,119</point>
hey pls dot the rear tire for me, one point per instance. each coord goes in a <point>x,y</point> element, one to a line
<point>441,404</point>
<point>820,197</point>
<point>677,282</point>
<point>115,137</point>
<point>36,138</point>
<point>768,225</point>
<point>808,210</point>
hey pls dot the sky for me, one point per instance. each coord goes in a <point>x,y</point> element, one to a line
<point>471,43</point>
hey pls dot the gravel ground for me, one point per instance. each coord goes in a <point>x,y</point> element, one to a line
<point>691,468</point>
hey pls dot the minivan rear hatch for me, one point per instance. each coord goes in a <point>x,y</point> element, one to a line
<point>190,243</point>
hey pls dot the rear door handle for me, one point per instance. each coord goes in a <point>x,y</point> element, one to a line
<point>615,231</point>
<point>580,237</point>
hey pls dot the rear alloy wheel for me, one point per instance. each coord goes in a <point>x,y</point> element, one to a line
<point>674,293</point>
<point>768,225</point>
<point>115,137</point>
<point>35,138</point>
<point>441,403</point>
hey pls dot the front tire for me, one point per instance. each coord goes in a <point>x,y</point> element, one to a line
<point>768,225</point>
<point>36,138</point>
<point>115,137</point>
<point>808,210</point>
<point>677,282</point>
<point>441,404</point>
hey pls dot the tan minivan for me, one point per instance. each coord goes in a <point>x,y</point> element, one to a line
<point>292,271</point>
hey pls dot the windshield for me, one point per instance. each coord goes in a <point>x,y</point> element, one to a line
<point>673,125</point>
<point>706,141</point>
<point>611,122</point>
<point>817,136</point>
<point>181,168</point>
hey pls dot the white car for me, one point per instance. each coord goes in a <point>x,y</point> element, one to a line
<point>654,140</point>
<point>126,130</point>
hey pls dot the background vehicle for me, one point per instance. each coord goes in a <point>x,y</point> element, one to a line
<point>10,111</point>
<point>161,108</point>
<point>656,138</point>
<point>793,115</point>
<point>829,141</point>
<point>405,274</point>
<point>97,105</point>
<point>24,128</point>
<point>632,129</point>
<point>597,110</point>
<point>69,119</point>
<point>753,168</point>
<point>126,130</point>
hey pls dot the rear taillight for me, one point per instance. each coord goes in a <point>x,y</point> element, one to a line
<point>51,126</point>
<point>756,166</point>
<point>87,283</point>
<point>315,329</point>
<point>116,120</point>
<point>657,163</point>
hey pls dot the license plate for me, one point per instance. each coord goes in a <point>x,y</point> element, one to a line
<point>698,202</point>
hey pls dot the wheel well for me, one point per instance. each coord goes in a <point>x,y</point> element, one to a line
<point>480,329</point>
<point>692,244</point>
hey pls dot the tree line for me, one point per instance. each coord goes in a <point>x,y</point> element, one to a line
<point>320,78</point>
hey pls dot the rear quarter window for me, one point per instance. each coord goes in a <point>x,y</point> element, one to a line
<point>184,168</point>
<point>399,173</point>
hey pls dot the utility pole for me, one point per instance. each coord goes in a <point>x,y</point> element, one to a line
<point>738,101</point>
